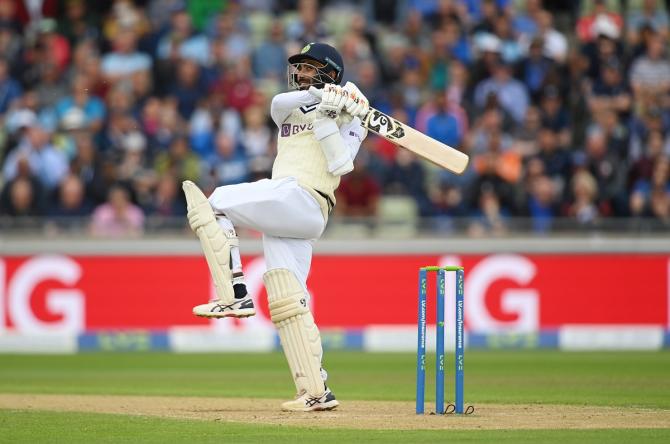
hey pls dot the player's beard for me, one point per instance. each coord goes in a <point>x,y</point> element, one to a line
<point>301,82</point>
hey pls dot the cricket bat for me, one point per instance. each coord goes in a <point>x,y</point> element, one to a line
<point>415,141</point>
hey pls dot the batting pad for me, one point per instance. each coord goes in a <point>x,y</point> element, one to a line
<point>299,335</point>
<point>215,244</point>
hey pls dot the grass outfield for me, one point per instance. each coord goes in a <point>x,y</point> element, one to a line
<point>639,379</point>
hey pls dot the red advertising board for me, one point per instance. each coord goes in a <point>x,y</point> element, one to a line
<point>502,291</point>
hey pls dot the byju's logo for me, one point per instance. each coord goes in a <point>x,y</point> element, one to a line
<point>288,129</point>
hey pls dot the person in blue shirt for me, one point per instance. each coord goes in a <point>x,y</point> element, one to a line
<point>443,126</point>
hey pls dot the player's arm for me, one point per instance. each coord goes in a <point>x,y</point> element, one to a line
<point>355,109</point>
<point>327,132</point>
<point>283,104</point>
<point>353,133</point>
<point>340,144</point>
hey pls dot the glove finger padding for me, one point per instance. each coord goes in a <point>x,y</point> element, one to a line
<point>356,104</point>
<point>335,97</point>
<point>332,101</point>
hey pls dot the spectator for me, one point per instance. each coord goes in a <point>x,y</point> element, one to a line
<point>229,163</point>
<point>604,46</point>
<point>534,69</point>
<point>407,176</point>
<point>525,21</point>
<point>21,197</point>
<point>489,49</point>
<point>489,218</point>
<point>610,92</point>
<point>583,204</point>
<point>10,89</point>
<point>51,86</point>
<point>556,160</point>
<point>660,193</point>
<point>71,204</point>
<point>650,14</point>
<point>50,46</point>
<point>228,32</point>
<point>526,136</point>
<point>608,171</point>
<point>487,127</point>
<point>87,165</point>
<point>358,194</point>
<point>511,94</point>
<point>188,88</point>
<point>256,137</point>
<point>449,209</point>
<point>651,195</point>
<point>9,15</point>
<point>93,108</point>
<point>44,161</point>
<point>269,58</point>
<point>179,161</point>
<point>555,44</point>
<point>651,119</point>
<point>443,125</point>
<point>78,23</point>
<point>118,217</point>
<point>133,158</point>
<point>486,17</point>
<point>510,49</point>
<point>169,201</point>
<point>236,86</point>
<point>554,114</point>
<point>599,19</point>
<point>650,74</point>
<point>181,42</point>
<point>542,205</point>
<point>655,148</point>
<point>124,60</point>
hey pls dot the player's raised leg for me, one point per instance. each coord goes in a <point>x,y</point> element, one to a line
<point>216,245</point>
<point>300,341</point>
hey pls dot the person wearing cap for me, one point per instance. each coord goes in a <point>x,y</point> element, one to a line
<point>600,20</point>
<point>317,142</point>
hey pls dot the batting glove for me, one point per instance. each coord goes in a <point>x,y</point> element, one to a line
<point>332,101</point>
<point>356,104</point>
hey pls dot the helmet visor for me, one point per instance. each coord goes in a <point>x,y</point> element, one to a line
<point>306,73</point>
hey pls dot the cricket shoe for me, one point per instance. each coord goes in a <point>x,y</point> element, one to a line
<point>241,308</point>
<point>307,403</point>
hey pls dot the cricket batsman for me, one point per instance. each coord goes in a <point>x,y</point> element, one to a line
<point>317,142</point>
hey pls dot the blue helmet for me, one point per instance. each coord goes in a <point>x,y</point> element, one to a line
<point>327,56</point>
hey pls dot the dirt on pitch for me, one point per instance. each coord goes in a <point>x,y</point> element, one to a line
<point>351,414</point>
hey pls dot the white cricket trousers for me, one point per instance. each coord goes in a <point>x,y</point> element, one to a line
<point>287,215</point>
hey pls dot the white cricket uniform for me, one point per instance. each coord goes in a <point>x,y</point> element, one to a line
<point>291,209</point>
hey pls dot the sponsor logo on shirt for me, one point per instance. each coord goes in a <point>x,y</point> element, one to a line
<point>291,129</point>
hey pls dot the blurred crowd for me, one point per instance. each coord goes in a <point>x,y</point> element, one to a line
<point>563,106</point>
